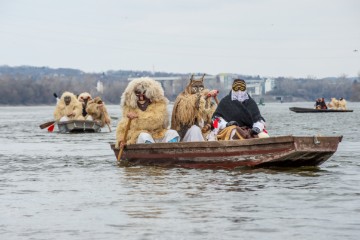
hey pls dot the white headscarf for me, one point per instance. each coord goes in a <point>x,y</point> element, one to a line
<point>239,95</point>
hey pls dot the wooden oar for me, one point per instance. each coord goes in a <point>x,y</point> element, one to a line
<point>47,124</point>
<point>125,137</point>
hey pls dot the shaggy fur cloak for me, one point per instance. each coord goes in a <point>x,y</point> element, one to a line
<point>185,112</point>
<point>62,109</point>
<point>154,120</point>
<point>97,110</point>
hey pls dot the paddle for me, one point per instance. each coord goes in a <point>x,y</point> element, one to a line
<point>125,136</point>
<point>47,124</point>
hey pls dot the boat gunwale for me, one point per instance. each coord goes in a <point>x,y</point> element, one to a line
<point>224,144</point>
<point>313,110</point>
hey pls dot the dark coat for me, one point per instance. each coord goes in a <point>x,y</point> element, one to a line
<point>244,113</point>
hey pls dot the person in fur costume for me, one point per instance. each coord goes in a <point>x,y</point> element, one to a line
<point>68,108</point>
<point>237,116</point>
<point>193,110</point>
<point>84,98</point>
<point>96,109</point>
<point>143,102</point>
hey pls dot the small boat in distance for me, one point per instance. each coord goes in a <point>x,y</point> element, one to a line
<point>79,126</point>
<point>281,151</point>
<point>313,110</point>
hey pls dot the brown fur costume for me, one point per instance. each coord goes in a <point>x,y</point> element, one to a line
<point>189,109</point>
<point>62,109</point>
<point>154,120</point>
<point>96,108</point>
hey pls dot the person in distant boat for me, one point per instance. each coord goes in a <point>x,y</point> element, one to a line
<point>143,102</point>
<point>193,110</point>
<point>318,103</point>
<point>67,108</point>
<point>323,104</point>
<point>237,116</point>
<point>97,111</point>
<point>84,98</point>
<point>342,104</point>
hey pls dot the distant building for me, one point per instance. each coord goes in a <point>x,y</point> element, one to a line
<point>223,82</point>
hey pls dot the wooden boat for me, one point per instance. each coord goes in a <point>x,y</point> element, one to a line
<point>79,126</point>
<point>281,151</point>
<point>313,110</point>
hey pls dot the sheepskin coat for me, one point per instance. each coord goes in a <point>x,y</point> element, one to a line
<point>185,112</point>
<point>62,109</point>
<point>97,110</point>
<point>154,120</point>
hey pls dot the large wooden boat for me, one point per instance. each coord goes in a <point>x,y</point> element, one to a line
<point>313,110</point>
<point>79,126</point>
<point>281,151</point>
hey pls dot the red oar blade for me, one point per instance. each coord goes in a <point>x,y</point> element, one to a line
<point>51,128</point>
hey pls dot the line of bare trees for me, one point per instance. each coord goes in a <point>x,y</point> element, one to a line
<point>35,86</point>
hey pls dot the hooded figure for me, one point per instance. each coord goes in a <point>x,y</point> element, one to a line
<point>238,111</point>
<point>193,110</point>
<point>84,98</point>
<point>97,111</point>
<point>144,102</point>
<point>67,108</point>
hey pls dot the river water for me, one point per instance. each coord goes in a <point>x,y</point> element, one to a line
<point>69,186</point>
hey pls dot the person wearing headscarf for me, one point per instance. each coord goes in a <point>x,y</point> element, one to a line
<point>192,111</point>
<point>67,108</point>
<point>237,116</point>
<point>143,102</point>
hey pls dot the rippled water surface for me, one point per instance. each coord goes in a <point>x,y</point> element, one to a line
<point>68,186</point>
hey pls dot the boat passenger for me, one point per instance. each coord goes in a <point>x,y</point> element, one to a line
<point>192,111</point>
<point>237,116</point>
<point>342,104</point>
<point>67,108</point>
<point>84,98</point>
<point>143,102</point>
<point>318,103</point>
<point>97,111</point>
<point>323,104</point>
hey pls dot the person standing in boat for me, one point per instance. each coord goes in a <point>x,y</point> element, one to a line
<point>68,108</point>
<point>237,116</point>
<point>143,102</point>
<point>193,110</point>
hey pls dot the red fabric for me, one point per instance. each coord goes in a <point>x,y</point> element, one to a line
<point>51,128</point>
<point>216,123</point>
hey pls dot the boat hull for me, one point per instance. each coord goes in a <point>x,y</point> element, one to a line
<point>313,110</point>
<point>283,151</point>
<point>79,126</point>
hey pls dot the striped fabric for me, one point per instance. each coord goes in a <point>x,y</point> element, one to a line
<point>239,85</point>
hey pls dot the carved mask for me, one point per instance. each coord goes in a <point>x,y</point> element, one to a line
<point>196,86</point>
<point>142,101</point>
<point>67,100</point>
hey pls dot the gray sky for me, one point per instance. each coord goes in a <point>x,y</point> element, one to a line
<point>293,38</point>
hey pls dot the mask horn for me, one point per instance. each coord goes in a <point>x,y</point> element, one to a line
<point>191,78</point>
